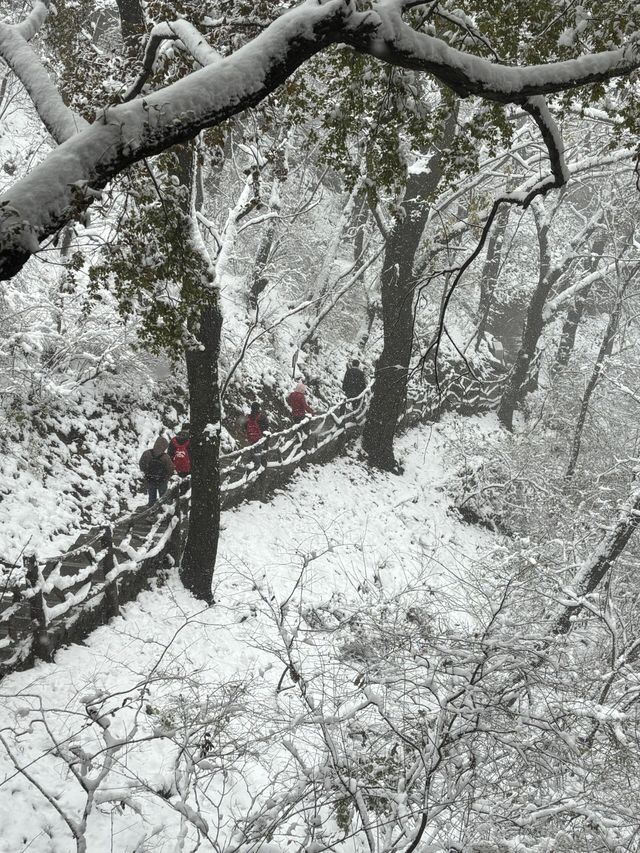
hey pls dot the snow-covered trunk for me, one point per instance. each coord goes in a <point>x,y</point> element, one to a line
<point>534,321</point>
<point>598,564</point>
<point>575,312</point>
<point>335,298</point>
<point>198,561</point>
<point>397,292</point>
<point>258,279</point>
<point>491,270</point>
<point>605,350</point>
<point>569,330</point>
<point>359,222</point>
<point>539,312</point>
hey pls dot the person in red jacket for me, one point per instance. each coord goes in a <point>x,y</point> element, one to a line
<point>256,424</point>
<point>180,450</point>
<point>297,402</point>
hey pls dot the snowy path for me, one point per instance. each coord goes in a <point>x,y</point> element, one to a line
<point>339,527</point>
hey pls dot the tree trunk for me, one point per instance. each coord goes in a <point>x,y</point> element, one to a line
<point>392,369</point>
<point>397,291</point>
<point>601,560</point>
<point>131,25</point>
<point>569,330</point>
<point>574,314</point>
<point>198,560</point>
<point>199,557</point>
<point>359,226</point>
<point>372,314</point>
<point>605,350</point>
<point>258,279</point>
<point>490,270</point>
<point>533,326</point>
<point>548,276</point>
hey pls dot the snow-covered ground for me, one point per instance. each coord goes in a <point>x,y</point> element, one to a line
<point>339,536</point>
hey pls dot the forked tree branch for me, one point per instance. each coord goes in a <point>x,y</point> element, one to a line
<point>179,30</point>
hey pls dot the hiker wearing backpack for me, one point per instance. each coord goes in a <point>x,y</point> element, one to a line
<point>157,467</point>
<point>354,381</point>
<point>179,450</point>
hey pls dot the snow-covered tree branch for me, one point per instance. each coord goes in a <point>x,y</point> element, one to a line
<point>57,190</point>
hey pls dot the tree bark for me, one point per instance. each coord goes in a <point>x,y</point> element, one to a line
<point>569,330</point>
<point>131,25</point>
<point>372,314</point>
<point>199,558</point>
<point>490,271</point>
<point>259,281</point>
<point>548,277</point>
<point>397,282</point>
<point>397,286</point>
<point>198,561</point>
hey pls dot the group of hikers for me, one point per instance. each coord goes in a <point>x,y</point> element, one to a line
<point>165,458</point>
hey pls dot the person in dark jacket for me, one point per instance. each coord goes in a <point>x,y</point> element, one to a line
<point>354,381</point>
<point>157,467</point>
<point>180,452</point>
<point>256,424</point>
<point>297,402</point>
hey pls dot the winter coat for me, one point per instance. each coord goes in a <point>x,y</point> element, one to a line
<point>180,452</point>
<point>354,382</point>
<point>297,402</point>
<point>256,426</point>
<point>156,464</point>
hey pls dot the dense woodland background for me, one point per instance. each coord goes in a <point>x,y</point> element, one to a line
<point>362,683</point>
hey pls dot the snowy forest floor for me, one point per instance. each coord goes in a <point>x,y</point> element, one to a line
<point>339,536</point>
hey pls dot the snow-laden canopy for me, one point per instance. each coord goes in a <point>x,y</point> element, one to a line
<point>70,177</point>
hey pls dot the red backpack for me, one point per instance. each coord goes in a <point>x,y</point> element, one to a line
<point>181,456</point>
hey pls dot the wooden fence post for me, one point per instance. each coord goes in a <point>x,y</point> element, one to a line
<point>262,485</point>
<point>41,646</point>
<point>111,597</point>
<point>344,414</point>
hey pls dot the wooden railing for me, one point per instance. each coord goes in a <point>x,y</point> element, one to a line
<point>45,604</point>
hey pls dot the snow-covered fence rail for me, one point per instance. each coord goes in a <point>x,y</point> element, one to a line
<point>256,470</point>
<point>44,605</point>
<point>64,598</point>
